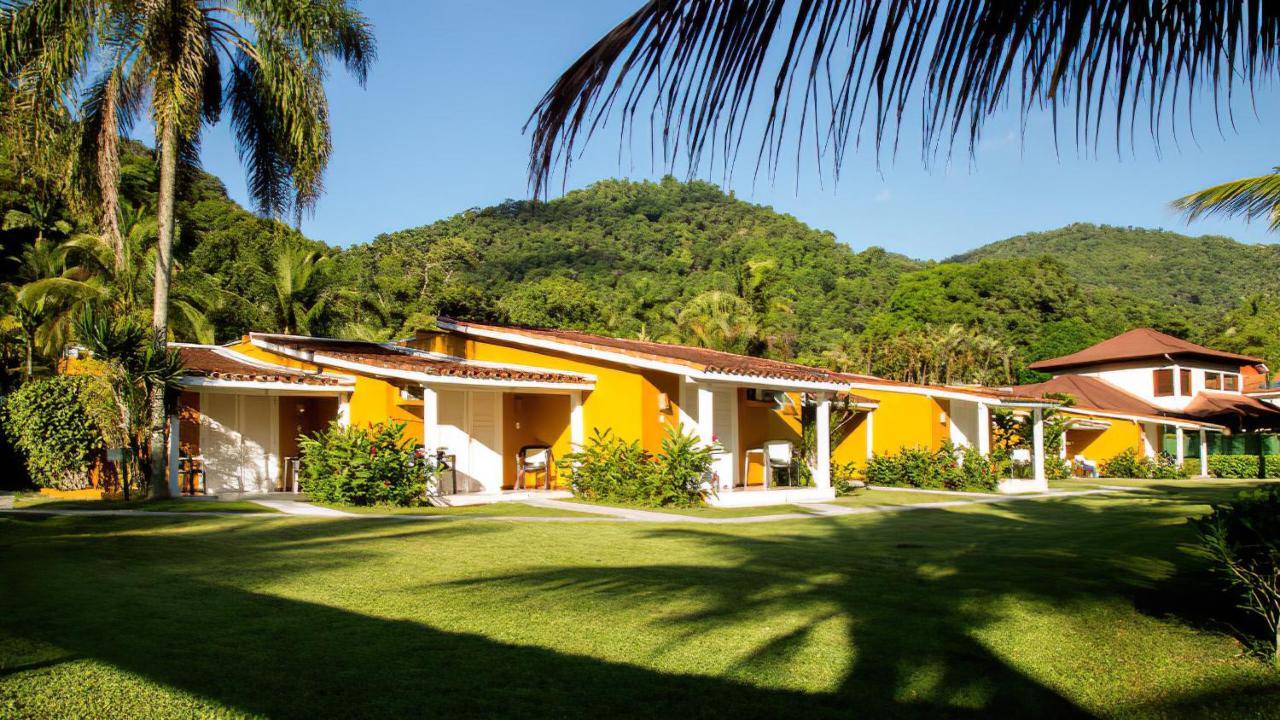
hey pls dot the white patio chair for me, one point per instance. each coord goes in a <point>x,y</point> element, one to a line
<point>778,455</point>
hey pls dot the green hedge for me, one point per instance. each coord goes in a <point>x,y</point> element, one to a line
<point>1239,466</point>
<point>610,469</point>
<point>51,423</point>
<point>946,468</point>
<point>1128,465</point>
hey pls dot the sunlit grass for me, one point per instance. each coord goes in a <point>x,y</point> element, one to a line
<point>1047,608</point>
<point>47,502</point>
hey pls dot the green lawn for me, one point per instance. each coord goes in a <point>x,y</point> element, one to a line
<point>865,498</point>
<point>45,502</point>
<point>500,509</point>
<point>1050,608</point>
<point>705,511</point>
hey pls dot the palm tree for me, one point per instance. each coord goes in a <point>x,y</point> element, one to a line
<point>1251,198</point>
<point>718,320</point>
<point>298,302</point>
<point>263,60</point>
<point>841,71</point>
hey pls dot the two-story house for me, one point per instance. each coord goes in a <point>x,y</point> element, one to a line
<point>1147,386</point>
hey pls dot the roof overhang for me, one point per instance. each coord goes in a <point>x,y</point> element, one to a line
<point>204,384</point>
<point>422,378</point>
<point>953,394</point>
<point>1170,421</point>
<point>692,371</point>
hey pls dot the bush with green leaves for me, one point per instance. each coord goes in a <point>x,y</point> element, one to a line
<point>371,465</point>
<point>52,424</point>
<point>1243,538</point>
<point>1240,466</point>
<point>947,468</point>
<point>1128,465</point>
<point>611,469</point>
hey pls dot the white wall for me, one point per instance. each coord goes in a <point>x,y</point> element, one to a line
<point>1139,379</point>
<point>964,423</point>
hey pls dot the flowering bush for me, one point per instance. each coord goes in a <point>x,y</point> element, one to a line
<point>362,466</point>
<point>1128,465</point>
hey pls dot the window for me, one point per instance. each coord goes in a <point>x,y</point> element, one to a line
<point>1212,381</point>
<point>1185,377</point>
<point>1231,382</point>
<point>1164,382</point>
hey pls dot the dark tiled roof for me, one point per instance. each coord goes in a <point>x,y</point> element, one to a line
<point>221,364</point>
<point>1238,412</point>
<point>1094,394</point>
<point>1140,344</point>
<point>389,357</point>
<point>703,359</point>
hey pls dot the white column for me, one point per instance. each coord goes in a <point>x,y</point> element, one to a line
<point>577,427</point>
<point>1037,439</point>
<point>175,488</point>
<point>984,429</point>
<point>822,469</point>
<point>871,431</point>
<point>1180,453</point>
<point>706,414</point>
<point>430,420</point>
<point>1148,450</point>
<point>344,409</point>
<point>1204,453</point>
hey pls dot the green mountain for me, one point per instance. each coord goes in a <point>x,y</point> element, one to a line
<point>1211,271</point>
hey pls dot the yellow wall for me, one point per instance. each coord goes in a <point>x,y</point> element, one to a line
<point>533,420</point>
<point>905,420</point>
<point>852,448</point>
<point>759,422</point>
<point>624,399</point>
<point>1099,445</point>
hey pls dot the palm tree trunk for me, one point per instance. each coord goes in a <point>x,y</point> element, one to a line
<point>168,141</point>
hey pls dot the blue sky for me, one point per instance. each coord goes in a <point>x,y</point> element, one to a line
<point>438,130</point>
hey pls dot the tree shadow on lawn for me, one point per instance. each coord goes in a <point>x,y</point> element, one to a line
<point>910,603</point>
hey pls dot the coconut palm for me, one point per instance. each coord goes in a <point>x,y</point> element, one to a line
<point>1250,198</point>
<point>263,60</point>
<point>831,72</point>
<point>718,320</point>
<point>299,301</point>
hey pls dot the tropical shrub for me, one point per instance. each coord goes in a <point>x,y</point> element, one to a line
<point>1128,465</point>
<point>613,470</point>
<point>1243,537</point>
<point>947,468</point>
<point>53,427</point>
<point>1240,466</point>
<point>845,477</point>
<point>362,466</point>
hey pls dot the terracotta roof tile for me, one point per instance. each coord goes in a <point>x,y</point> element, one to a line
<point>1140,344</point>
<point>1094,394</point>
<point>218,363</point>
<point>702,359</point>
<point>975,390</point>
<point>1239,412</point>
<point>390,357</point>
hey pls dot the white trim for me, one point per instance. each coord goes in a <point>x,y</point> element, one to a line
<point>1037,444</point>
<point>577,425</point>
<point>984,428</point>
<point>1204,453</point>
<point>822,432</point>
<point>621,358</point>
<point>422,377</point>
<point>207,384</point>
<point>430,420</point>
<point>871,428</point>
<point>951,394</point>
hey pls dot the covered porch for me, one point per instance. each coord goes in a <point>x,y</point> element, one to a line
<point>756,429</point>
<point>969,424</point>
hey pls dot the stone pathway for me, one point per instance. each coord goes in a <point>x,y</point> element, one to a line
<point>293,507</point>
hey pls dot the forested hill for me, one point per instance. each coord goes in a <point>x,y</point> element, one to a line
<point>1208,270</point>
<point>667,260</point>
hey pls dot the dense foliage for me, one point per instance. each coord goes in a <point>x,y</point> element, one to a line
<point>947,468</point>
<point>53,424</point>
<point>1128,465</point>
<point>362,466</point>
<point>610,469</point>
<point>1241,466</point>
<point>669,260</point>
<point>1243,537</point>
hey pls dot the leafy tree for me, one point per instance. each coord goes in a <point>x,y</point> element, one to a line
<point>718,320</point>
<point>178,53</point>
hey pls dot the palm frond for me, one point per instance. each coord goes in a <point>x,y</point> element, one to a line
<point>836,70</point>
<point>1250,198</point>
